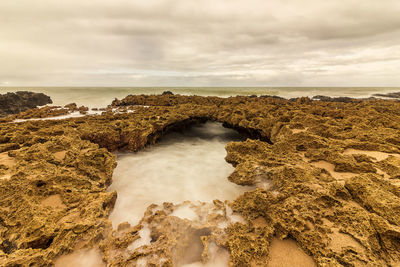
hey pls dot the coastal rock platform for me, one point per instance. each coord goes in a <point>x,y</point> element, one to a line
<point>325,177</point>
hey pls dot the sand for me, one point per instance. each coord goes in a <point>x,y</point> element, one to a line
<point>286,253</point>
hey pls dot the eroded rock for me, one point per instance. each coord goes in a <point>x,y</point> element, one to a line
<point>352,221</point>
<point>13,103</point>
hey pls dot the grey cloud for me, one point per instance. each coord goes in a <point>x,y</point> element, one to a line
<point>180,42</point>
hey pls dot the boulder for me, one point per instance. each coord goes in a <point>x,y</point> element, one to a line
<point>13,103</point>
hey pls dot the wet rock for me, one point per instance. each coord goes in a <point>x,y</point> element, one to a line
<point>389,95</point>
<point>71,106</point>
<point>13,103</point>
<point>43,112</point>
<point>167,93</point>
<point>83,110</point>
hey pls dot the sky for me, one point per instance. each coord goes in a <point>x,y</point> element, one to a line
<point>200,43</point>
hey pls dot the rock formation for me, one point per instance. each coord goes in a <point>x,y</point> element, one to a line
<point>326,176</point>
<point>13,103</point>
<point>389,95</point>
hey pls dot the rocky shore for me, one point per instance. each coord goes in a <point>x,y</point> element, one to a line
<point>326,176</point>
<point>13,103</point>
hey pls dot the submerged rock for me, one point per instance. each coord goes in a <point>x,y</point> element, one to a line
<point>338,208</point>
<point>167,93</point>
<point>334,99</point>
<point>389,95</point>
<point>13,103</point>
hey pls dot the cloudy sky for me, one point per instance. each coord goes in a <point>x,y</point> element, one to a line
<point>200,43</point>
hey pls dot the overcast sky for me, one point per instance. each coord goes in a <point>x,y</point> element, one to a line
<point>199,43</point>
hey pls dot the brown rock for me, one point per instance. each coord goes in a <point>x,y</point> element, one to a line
<point>348,222</point>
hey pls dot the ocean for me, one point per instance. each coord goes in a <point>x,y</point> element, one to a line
<point>103,96</point>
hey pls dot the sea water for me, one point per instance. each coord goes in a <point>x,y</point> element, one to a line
<point>102,96</point>
<point>183,166</point>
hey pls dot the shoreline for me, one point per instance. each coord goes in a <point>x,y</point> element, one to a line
<point>102,96</point>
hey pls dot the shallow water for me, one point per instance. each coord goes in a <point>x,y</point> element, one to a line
<point>75,114</point>
<point>182,166</point>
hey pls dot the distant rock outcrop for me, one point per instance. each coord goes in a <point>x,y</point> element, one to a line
<point>342,99</point>
<point>167,93</point>
<point>389,95</point>
<point>13,103</point>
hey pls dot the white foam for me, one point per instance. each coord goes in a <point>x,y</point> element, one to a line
<point>265,184</point>
<point>275,193</point>
<point>144,239</point>
<point>188,166</point>
<point>219,257</point>
<point>142,262</point>
<point>234,218</point>
<point>75,114</point>
<point>81,258</point>
<point>223,225</point>
<point>122,111</point>
<point>185,212</point>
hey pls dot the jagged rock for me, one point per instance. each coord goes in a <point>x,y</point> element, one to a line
<point>71,106</point>
<point>389,95</point>
<point>13,103</point>
<point>340,208</point>
<point>83,110</point>
<point>167,93</point>
<point>334,99</point>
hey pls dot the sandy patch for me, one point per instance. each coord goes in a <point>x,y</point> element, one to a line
<point>304,158</point>
<point>53,201</point>
<point>396,182</point>
<point>327,222</point>
<point>295,131</point>
<point>355,204</point>
<point>5,176</point>
<point>72,217</point>
<point>286,253</point>
<point>310,225</point>
<point>80,245</point>
<point>384,174</point>
<point>81,258</point>
<point>340,176</point>
<point>60,155</point>
<point>7,160</point>
<point>84,151</point>
<point>260,222</point>
<point>144,239</point>
<point>375,154</point>
<point>339,241</point>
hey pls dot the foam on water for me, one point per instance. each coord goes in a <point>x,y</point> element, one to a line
<point>81,258</point>
<point>185,212</point>
<point>75,114</point>
<point>219,257</point>
<point>144,239</point>
<point>182,166</point>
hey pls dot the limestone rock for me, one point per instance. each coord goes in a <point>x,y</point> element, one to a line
<point>340,209</point>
